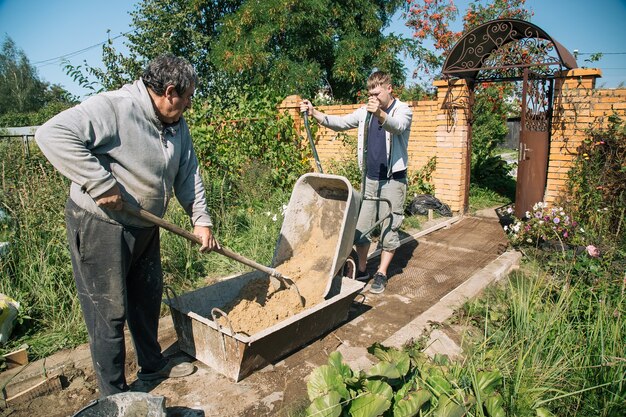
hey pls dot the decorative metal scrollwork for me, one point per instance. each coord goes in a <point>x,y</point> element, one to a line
<point>538,106</point>
<point>457,98</point>
<point>499,50</point>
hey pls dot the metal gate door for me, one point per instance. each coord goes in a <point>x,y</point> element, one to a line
<point>534,141</point>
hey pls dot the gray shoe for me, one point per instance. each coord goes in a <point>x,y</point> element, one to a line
<point>170,370</point>
<point>380,282</point>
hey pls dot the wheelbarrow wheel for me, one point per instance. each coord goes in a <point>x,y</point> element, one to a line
<point>352,262</point>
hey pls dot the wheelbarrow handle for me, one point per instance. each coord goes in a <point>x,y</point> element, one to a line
<point>305,116</point>
<point>156,220</point>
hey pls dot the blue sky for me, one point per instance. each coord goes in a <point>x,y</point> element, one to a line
<point>47,29</point>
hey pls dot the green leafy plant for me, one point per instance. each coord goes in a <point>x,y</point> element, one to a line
<point>347,166</point>
<point>597,181</point>
<point>420,180</point>
<point>243,129</point>
<point>402,383</point>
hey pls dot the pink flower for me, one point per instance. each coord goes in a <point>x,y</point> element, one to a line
<point>593,251</point>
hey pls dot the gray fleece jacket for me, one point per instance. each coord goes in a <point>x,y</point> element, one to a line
<point>116,137</point>
<point>397,130</point>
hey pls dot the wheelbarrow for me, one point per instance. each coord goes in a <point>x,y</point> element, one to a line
<point>319,224</point>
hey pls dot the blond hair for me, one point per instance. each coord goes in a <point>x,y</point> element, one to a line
<point>378,78</point>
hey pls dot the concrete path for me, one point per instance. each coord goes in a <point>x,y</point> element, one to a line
<point>431,276</point>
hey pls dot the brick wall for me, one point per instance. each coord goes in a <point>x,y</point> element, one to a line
<point>578,107</point>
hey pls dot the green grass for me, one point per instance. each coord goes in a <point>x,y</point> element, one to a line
<point>36,271</point>
<point>559,344</point>
<point>482,198</point>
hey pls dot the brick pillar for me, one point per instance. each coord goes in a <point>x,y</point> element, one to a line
<point>453,144</point>
<point>579,78</point>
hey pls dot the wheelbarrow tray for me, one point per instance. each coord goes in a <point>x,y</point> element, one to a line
<point>322,208</point>
<point>237,355</point>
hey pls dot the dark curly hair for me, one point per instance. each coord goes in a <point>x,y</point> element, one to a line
<point>166,70</point>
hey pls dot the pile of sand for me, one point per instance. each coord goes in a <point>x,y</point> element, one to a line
<point>259,306</point>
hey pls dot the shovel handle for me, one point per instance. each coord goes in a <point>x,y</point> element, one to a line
<point>156,220</point>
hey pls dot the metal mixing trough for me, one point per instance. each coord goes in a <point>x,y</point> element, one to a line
<point>322,207</point>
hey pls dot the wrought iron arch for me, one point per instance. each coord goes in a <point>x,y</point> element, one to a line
<point>500,49</point>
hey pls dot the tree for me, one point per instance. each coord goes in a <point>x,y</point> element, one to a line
<point>21,90</point>
<point>307,45</point>
<point>290,46</point>
<point>431,19</point>
<point>182,27</point>
<point>25,98</point>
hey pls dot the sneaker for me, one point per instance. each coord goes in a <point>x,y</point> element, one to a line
<point>380,282</point>
<point>363,276</point>
<point>170,370</point>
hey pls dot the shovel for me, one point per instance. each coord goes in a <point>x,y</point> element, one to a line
<point>276,278</point>
<point>305,115</point>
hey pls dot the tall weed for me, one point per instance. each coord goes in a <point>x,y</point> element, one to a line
<point>36,271</point>
<point>559,345</point>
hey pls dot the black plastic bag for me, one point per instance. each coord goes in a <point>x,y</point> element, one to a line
<point>423,202</point>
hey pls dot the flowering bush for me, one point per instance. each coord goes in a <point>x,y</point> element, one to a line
<point>597,182</point>
<point>542,225</point>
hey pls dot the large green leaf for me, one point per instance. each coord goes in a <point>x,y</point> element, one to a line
<point>411,403</point>
<point>389,354</point>
<point>494,405</point>
<point>439,385</point>
<point>326,406</point>
<point>375,400</point>
<point>393,363</point>
<point>488,382</point>
<point>323,380</point>
<point>379,388</point>
<point>448,407</point>
<point>336,360</point>
<point>387,369</point>
<point>405,389</point>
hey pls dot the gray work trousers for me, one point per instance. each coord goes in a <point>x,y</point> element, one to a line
<point>118,277</point>
<point>372,211</point>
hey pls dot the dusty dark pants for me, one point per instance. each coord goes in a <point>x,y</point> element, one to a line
<point>118,276</point>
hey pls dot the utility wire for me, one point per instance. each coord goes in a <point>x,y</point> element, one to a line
<point>603,53</point>
<point>50,61</point>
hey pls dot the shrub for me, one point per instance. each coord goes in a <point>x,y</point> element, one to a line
<point>348,165</point>
<point>243,129</point>
<point>597,181</point>
<point>420,180</point>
